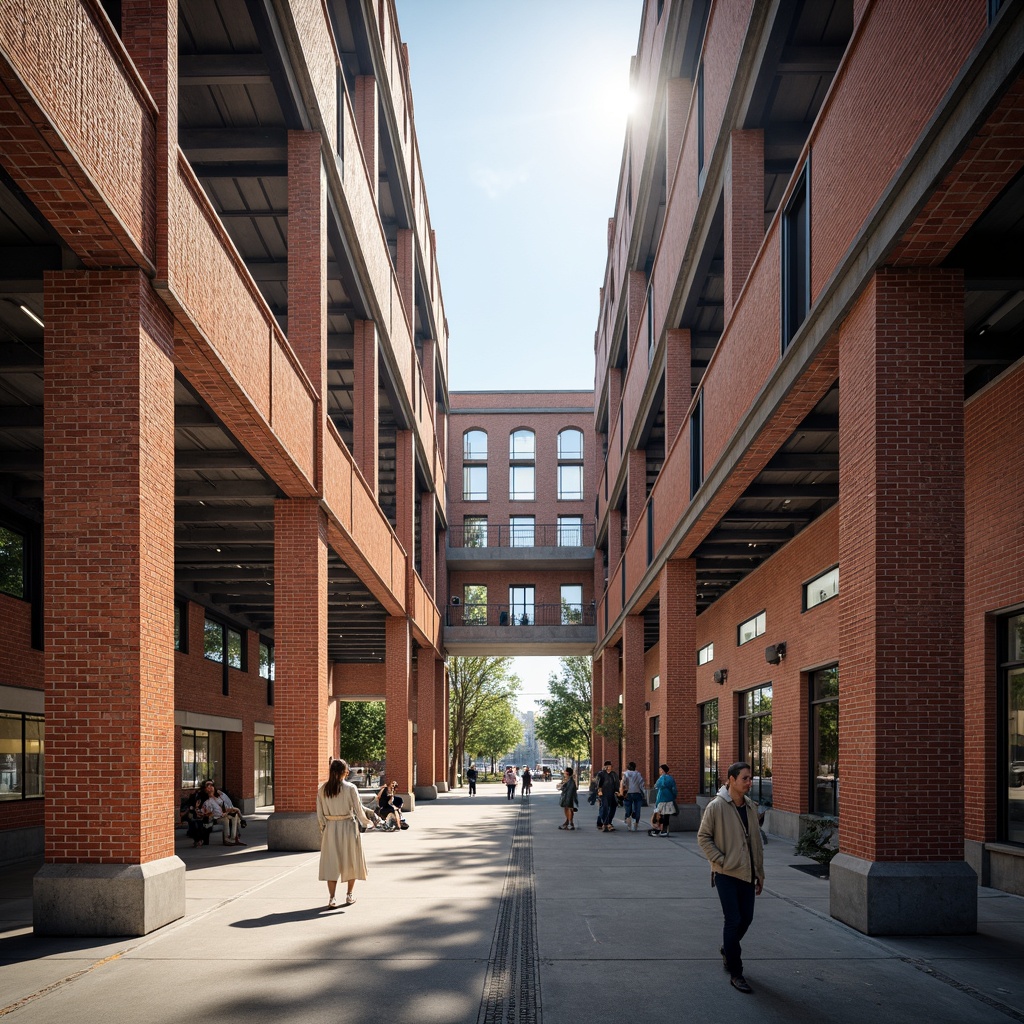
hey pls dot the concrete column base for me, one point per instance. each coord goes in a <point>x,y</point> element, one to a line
<point>686,819</point>
<point>409,801</point>
<point>425,792</point>
<point>904,898</point>
<point>107,899</point>
<point>442,787</point>
<point>293,830</point>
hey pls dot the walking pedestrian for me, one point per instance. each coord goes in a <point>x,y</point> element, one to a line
<point>471,774</point>
<point>665,794</point>
<point>632,796</point>
<point>608,787</point>
<point>527,780</point>
<point>338,809</point>
<point>567,801</point>
<point>511,780</point>
<point>731,841</point>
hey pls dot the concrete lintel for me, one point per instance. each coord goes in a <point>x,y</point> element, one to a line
<point>904,897</point>
<point>293,830</point>
<point>107,899</point>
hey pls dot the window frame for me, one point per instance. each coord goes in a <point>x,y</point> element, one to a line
<point>513,454</point>
<point>470,488</point>
<point>19,562</point>
<point>574,529</point>
<point>516,469</point>
<point>18,762</point>
<point>796,255</point>
<point>706,654</point>
<point>759,620</point>
<point>522,527</point>
<point>474,526</point>
<point>822,594</point>
<point>710,749</point>
<point>566,493</point>
<point>468,453</point>
<point>815,704</point>
<point>570,612</point>
<point>748,715</point>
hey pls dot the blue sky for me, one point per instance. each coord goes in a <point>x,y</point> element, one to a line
<point>520,112</point>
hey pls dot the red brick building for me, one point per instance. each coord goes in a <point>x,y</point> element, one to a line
<point>808,377</point>
<point>223,439</point>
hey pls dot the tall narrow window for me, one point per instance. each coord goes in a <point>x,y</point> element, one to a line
<point>572,605</point>
<point>474,532</point>
<point>202,757</point>
<point>697,445</point>
<point>651,336</point>
<point>521,531</point>
<point>756,740</point>
<point>267,669</point>
<point>709,748</point>
<point>474,446</point>
<point>522,450</point>
<point>522,446</point>
<point>12,562</point>
<point>570,531</point>
<point>521,606</point>
<point>570,465</point>
<point>796,259</point>
<point>825,741</point>
<point>474,465</point>
<point>474,604</point>
<point>1011,700</point>
<point>700,123</point>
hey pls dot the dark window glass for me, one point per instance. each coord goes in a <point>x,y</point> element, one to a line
<point>22,743</point>
<point>796,260</point>
<point>825,741</point>
<point>697,446</point>
<point>12,562</point>
<point>756,740</point>
<point>709,783</point>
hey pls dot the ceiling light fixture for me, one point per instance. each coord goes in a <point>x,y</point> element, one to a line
<point>28,312</point>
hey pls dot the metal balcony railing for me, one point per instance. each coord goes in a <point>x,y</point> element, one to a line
<point>487,535</point>
<point>521,616</point>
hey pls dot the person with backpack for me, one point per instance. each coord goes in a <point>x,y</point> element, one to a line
<point>632,796</point>
<point>607,788</point>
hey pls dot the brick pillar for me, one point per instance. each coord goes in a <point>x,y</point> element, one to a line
<point>365,401</point>
<point>426,725</point>
<point>744,210</point>
<point>636,488</point>
<point>108,557</point>
<point>634,691</point>
<point>636,303</point>
<point>300,659</point>
<point>901,546</point>
<point>677,105</point>
<point>678,390</point>
<point>397,695</point>
<point>428,544</point>
<point>405,271</point>
<point>405,501</point>
<point>608,696</point>
<point>677,666</point>
<point>365,112</point>
<point>614,540</point>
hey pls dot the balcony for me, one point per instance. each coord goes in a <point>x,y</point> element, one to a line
<point>510,630</point>
<point>544,546</point>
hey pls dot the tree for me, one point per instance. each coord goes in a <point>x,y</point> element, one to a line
<point>563,725</point>
<point>475,686</point>
<point>496,732</point>
<point>362,730</point>
<point>608,723</point>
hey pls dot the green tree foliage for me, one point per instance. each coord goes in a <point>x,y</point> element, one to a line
<point>476,685</point>
<point>12,563</point>
<point>362,730</point>
<point>563,724</point>
<point>496,732</point>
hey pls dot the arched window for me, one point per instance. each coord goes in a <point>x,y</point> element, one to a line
<point>570,464</point>
<point>474,446</point>
<point>522,445</point>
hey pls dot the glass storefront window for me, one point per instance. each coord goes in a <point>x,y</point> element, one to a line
<point>21,756</point>
<point>825,741</point>
<point>1013,716</point>
<point>202,757</point>
<point>756,740</point>
<point>709,783</point>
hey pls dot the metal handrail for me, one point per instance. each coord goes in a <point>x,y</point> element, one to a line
<point>488,535</point>
<point>521,616</point>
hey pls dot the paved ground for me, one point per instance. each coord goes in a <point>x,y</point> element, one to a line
<point>485,912</point>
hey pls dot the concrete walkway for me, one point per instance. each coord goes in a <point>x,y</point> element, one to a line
<point>485,912</point>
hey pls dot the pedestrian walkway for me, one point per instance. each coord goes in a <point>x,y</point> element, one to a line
<point>485,912</point>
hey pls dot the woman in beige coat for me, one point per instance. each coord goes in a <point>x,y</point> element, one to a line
<point>338,809</point>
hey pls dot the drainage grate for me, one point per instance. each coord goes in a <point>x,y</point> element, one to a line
<point>512,985</point>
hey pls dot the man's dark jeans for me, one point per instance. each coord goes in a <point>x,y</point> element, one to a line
<point>737,898</point>
<point>608,805</point>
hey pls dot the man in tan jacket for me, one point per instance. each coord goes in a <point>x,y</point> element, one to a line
<point>731,841</point>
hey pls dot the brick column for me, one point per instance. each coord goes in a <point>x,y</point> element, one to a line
<point>426,725</point>
<point>365,111</point>
<point>428,543</point>
<point>405,271</point>
<point>636,304</point>
<point>441,718</point>
<point>744,210</point>
<point>677,106</point>
<point>636,489</point>
<point>634,692</point>
<point>677,666</point>
<point>611,687</point>
<point>300,658</point>
<point>405,502</point>
<point>678,390</point>
<point>397,696</point>
<point>365,402</point>
<point>901,547</point>
<point>108,556</point>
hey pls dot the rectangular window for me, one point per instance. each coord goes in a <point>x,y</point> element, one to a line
<point>570,483</point>
<point>520,483</point>
<point>520,599</point>
<point>706,654</point>
<point>570,531</point>
<point>12,562</point>
<point>474,483</point>
<point>655,682</point>
<point>474,604</point>
<point>821,588</point>
<point>825,741</point>
<point>202,757</point>
<point>474,446</point>
<point>234,652</point>
<point>697,445</point>
<point>264,770</point>
<point>756,740</point>
<point>267,669</point>
<point>179,618</point>
<point>709,783</point>
<point>752,628</point>
<point>572,605</point>
<point>213,641</point>
<point>474,531</point>
<point>796,259</point>
<point>1011,752</point>
<point>521,531</point>
<point>650,324</point>
<point>700,123</point>
<point>22,742</point>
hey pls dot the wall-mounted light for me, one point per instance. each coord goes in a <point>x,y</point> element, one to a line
<point>774,653</point>
<point>456,600</point>
<point>721,674</point>
<point>647,705</point>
